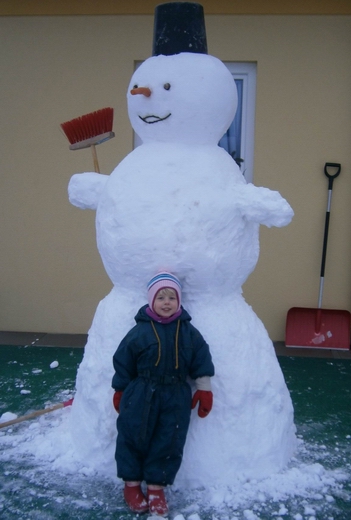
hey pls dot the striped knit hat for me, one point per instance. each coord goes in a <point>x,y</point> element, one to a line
<point>160,281</point>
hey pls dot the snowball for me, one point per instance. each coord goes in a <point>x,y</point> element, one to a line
<point>283,510</point>
<point>54,364</point>
<point>250,515</point>
<point>8,416</point>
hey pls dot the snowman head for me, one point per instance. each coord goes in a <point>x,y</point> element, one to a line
<point>183,98</point>
<point>181,95</point>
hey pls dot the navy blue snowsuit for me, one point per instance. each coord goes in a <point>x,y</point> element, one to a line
<point>151,365</point>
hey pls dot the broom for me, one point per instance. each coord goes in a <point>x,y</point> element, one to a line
<point>36,413</point>
<point>89,130</point>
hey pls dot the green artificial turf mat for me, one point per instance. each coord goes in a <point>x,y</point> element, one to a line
<point>321,393</point>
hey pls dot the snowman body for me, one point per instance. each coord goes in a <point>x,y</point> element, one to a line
<point>180,203</point>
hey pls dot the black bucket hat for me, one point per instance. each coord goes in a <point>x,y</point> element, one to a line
<point>179,27</point>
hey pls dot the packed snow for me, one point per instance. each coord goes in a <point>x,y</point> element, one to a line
<point>7,416</point>
<point>180,203</point>
<point>35,484</point>
<point>304,490</point>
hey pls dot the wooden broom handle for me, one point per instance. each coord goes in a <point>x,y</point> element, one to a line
<point>95,159</point>
<point>36,414</point>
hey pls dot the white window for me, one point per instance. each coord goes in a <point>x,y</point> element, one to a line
<point>239,139</point>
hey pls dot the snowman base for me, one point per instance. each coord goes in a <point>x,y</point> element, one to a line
<point>250,431</point>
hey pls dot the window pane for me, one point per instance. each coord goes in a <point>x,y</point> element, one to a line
<point>231,141</point>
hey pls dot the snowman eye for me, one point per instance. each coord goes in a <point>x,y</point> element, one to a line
<point>135,86</point>
<point>166,86</point>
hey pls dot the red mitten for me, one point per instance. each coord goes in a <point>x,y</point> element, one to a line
<point>117,399</point>
<point>205,398</point>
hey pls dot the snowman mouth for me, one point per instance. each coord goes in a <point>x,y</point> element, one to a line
<point>154,119</point>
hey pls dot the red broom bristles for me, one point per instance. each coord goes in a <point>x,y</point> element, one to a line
<point>89,125</point>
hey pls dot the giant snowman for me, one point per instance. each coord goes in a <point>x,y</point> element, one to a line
<point>179,203</point>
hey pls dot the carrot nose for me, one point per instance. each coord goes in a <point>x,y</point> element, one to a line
<point>145,91</point>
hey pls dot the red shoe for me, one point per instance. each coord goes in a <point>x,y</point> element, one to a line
<point>157,502</point>
<point>135,499</point>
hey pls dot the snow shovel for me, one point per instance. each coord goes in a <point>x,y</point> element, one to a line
<point>320,328</point>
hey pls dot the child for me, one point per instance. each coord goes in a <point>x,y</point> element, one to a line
<point>152,395</point>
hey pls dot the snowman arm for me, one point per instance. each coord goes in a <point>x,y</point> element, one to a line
<point>84,189</point>
<point>263,206</point>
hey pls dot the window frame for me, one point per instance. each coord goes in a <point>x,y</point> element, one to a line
<point>247,72</point>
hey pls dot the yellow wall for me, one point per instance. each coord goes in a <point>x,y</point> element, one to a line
<point>54,68</point>
<point>92,7</point>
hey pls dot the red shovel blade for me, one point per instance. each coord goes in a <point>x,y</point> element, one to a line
<point>318,328</point>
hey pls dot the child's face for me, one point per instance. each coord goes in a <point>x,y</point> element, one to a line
<point>165,303</point>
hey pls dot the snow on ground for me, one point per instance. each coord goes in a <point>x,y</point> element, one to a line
<point>35,483</point>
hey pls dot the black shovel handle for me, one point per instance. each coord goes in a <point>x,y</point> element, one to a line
<point>331,177</point>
